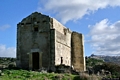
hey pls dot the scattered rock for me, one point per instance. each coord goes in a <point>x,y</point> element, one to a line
<point>2,74</point>
<point>43,71</point>
<point>45,78</point>
<point>53,72</point>
<point>59,77</point>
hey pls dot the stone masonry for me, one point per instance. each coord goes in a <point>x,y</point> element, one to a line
<point>43,42</point>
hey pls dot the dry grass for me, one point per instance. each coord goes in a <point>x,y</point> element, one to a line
<point>85,76</point>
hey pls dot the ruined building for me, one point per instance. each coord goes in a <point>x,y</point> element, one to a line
<point>44,42</point>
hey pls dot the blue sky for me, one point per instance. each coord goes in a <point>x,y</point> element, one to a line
<point>98,21</point>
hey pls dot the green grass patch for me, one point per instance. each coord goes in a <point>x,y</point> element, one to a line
<point>33,75</point>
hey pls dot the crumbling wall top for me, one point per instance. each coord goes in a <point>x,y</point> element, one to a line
<point>34,17</point>
<point>59,27</point>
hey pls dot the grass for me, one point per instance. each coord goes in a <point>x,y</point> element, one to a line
<point>32,75</point>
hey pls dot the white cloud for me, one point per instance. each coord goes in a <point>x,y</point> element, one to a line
<point>105,37</point>
<point>66,10</point>
<point>4,27</point>
<point>7,52</point>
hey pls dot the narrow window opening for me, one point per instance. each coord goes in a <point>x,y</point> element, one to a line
<point>28,23</point>
<point>38,22</point>
<point>34,19</point>
<point>44,21</point>
<point>35,28</point>
<point>61,60</point>
<point>65,31</point>
<point>22,23</point>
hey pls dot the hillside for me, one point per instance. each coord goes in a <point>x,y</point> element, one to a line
<point>112,59</point>
<point>7,62</point>
<point>95,65</point>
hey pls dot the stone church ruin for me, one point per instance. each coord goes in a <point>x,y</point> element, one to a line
<point>43,42</point>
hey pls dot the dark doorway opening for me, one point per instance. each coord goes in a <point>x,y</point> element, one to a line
<point>35,60</point>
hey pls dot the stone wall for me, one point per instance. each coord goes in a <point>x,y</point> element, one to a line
<point>62,44</point>
<point>33,33</point>
<point>53,41</point>
<point>77,55</point>
<point>62,49</point>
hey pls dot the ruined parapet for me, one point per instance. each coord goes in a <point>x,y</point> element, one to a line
<point>77,52</point>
